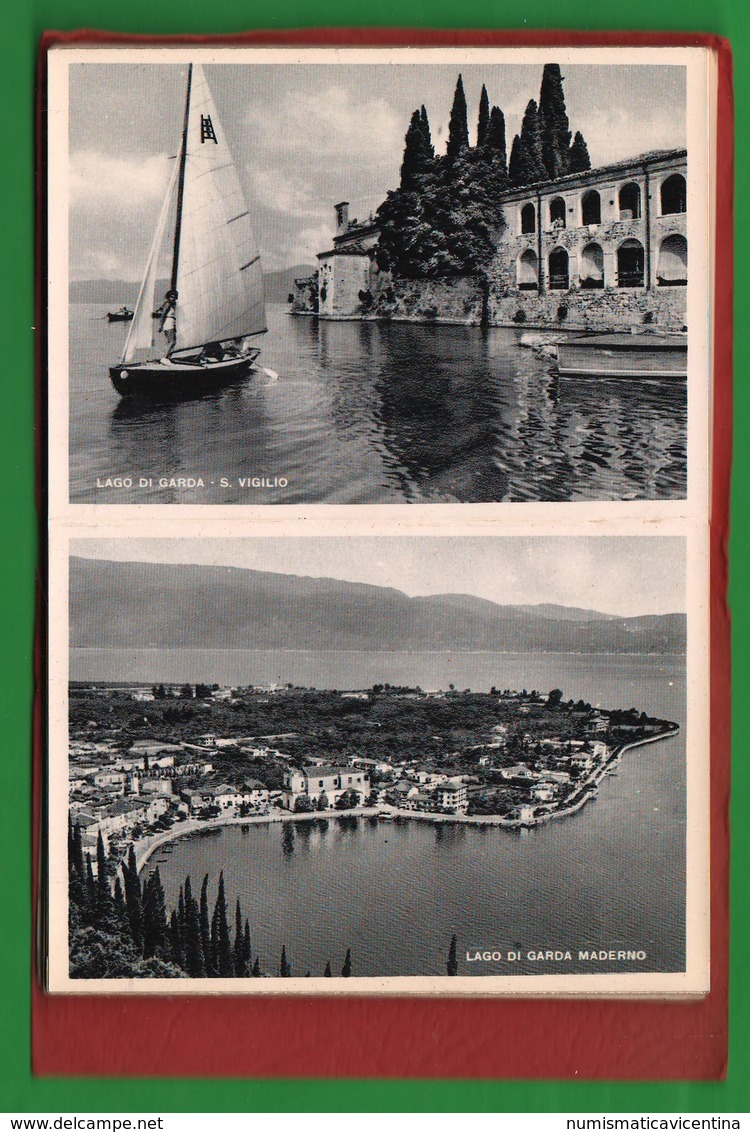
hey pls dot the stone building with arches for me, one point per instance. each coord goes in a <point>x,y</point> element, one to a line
<point>604,248</point>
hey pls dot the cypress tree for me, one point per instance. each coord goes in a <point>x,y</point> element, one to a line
<point>119,900</point>
<point>484,118</point>
<point>133,899</point>
<point>238,955</point>
<point>579,160</point>
<point>328,973</point>
<point>90,888</point>
<point>532,167</point>
<point>221,942</point>
<point>247,950</point>
<point>417,150</point>
<point>285,969</point>
<point>206,929</point>
<point>193,944</point>
<point>76,867</point>
<point>553,122</point>
<point>425,123</point>
<point>346,970</point>
<point>495,140</point>
<point>514,164</point>
<point>155,925</point>
<point>256,968</point>
<point>175,941</point>
<point>452,964</point>
<point>458,127</point>
<point>103,895</point>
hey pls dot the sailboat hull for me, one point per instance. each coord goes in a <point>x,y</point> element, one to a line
<point>157,382</point>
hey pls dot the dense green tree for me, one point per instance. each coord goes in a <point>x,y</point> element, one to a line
<point>256,968</point>
<point>579,160</point>
<point>328,973</point>
<point>285,969</point>
<point>458,126</point>
<point>452,965</point>
<point>553,122</point>
<point>95,954</point>
<point>346,970</point>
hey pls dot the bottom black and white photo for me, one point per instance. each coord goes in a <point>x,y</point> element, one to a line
<point>421,763</point>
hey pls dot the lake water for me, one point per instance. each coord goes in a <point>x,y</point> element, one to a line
<point>610,876</point>
<point>374,412</point>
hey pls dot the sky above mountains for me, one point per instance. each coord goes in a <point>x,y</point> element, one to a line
<point>306,136</point>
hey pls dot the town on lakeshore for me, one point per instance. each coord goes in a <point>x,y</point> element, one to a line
<point>149,763</point>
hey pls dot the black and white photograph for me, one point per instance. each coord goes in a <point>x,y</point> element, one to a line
<point>435,277</point>
<point>455,764</point>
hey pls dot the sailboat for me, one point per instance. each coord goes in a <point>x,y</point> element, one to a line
<point>215,303</point>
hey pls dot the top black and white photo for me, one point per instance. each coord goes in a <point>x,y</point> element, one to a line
<point>322,277</point>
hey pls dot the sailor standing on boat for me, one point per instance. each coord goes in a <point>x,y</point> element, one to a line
<point>168,324</point>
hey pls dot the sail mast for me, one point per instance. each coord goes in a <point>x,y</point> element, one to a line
<point>181,184</point>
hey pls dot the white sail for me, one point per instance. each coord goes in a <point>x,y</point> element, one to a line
<point>141,333</point>
<point>219,276</point>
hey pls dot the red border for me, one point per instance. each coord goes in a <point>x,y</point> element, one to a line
<point>442,1038</point>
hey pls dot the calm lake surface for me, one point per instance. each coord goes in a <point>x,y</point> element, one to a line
<point>611,876</point>
<point>366,412</point>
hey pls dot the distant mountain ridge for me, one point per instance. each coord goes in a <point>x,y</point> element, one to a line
<point>279,284</point>
<point>163,606</point>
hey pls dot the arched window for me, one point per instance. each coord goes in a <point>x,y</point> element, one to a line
<point>673,195</point>
<point>557,213</point>
<point>630,264</point>
<point>592,267</point>
<point>528,219</point>
<point>630,202</point>
<point>527,273</point>
<point>591,208</point>
<point>559,275</point>
<point>672,266</point>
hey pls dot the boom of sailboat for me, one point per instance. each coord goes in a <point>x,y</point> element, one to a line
<point>215,304</point>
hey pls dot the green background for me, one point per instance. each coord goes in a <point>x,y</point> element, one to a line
<point>22,23</point>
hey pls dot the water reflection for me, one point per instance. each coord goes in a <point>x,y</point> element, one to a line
<point>378,412</point>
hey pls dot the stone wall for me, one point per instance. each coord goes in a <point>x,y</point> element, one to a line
<point>610,309</point>
<point>455,301</point>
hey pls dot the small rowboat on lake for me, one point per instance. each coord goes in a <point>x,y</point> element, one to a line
<point>619,355</point>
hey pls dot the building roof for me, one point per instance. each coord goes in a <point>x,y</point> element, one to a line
<point>84,819</point>
<point>327,771</point>
<point>125,806</point>
<point>652,157</point>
